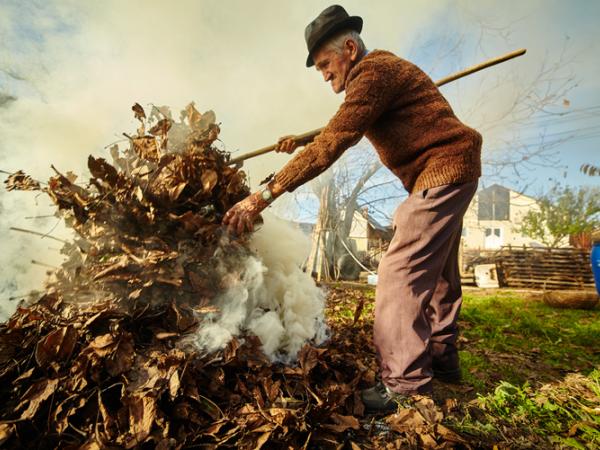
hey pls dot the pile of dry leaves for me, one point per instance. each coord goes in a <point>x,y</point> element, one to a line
<point>99,360</point>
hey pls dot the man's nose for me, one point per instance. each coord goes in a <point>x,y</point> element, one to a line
<point>327,76</point>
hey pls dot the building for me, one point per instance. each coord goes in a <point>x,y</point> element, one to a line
<point>493,218</point>
<point>367,234</point>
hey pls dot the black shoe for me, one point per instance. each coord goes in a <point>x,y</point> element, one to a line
<point>380,398</point>
<point>446,368</point>
<point>452,376</point>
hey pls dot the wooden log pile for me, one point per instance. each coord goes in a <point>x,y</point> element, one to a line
<point>545,268</point>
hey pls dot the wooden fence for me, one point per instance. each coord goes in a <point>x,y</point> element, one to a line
<point>547,268</point>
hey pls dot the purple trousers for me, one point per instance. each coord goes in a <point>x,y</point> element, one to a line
<point>418,289</point>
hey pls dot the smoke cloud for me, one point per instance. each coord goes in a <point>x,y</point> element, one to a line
<point>69,72</point>
<point>269,295</point>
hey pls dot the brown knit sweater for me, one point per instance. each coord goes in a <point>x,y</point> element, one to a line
<point>411,125</point>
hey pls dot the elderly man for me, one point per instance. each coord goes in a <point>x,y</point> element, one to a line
<point>417,136</point>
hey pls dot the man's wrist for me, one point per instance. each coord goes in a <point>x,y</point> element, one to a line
<point>275,189</point>
<point>266,195</point>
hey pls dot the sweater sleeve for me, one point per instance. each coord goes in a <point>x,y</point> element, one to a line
<point>367,97</point>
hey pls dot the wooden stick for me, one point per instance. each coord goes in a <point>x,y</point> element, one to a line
<point>308,137</point>
<point>40,217</point>
<point>22,230</point>
<point>39,263</point>
<point>478,67</point>
<point>21,295</point>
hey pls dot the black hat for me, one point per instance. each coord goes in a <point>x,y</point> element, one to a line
<point>330,21</point>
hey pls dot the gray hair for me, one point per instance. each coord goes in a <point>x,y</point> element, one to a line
<point>337,41</point>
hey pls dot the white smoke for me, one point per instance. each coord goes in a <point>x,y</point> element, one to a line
<point>72,70</point>
<point>268,295</point>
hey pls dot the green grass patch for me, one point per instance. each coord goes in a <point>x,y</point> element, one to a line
<point>565,414</point>
<point>475,369</point>
<point>505,322</point>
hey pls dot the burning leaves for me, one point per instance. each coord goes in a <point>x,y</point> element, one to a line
<point>108,356</point>
<point>21,182</point>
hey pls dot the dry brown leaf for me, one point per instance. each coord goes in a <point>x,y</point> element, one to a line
<point>56,346</point>
<point>193,115</point>
<point>428,409</point>
<point>99,168</point>
<point>122,357</point>
<point>447,434</point>
<point>146,148</point>
<point>427,440</point>
<point>166,335</point>
<point>21,182</point>
<point>103,345</point>
<point>209,180</point>
<point>35,396</point>
<point>6,431</point>
<point>358,311</point>
<point>174,384</point>
<point>308,357</point>
<point>342,423</point>
<point>176,191</point>
<point>161,128</point>
<point>262,440</point>
<point>66,409</point>
<point>24,375</point>
<point>138,111</point>
<point>208,118</point>
<point>135,294</point>
<point>406,420</point>
<point>142,412</point>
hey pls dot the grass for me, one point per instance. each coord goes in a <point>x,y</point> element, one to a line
<point>534,370</point>
<point>523,337</point>
<point>531,373</point>
<point>564,414</point>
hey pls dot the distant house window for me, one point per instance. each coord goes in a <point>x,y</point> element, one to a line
<point>494,203</point>
<point>493,238</point>
<point>495,231</point>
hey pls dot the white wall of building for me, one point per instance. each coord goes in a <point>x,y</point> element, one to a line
<point>359,232</point>
<point>493,234</point>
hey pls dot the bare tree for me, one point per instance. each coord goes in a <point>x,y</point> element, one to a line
<point>339,194</point>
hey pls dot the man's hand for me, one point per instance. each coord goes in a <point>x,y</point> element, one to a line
<point>242,215</point>
<point>286,144</point>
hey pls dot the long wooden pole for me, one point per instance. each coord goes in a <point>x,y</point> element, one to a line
<point>43,235</point>
<point>305,138</point>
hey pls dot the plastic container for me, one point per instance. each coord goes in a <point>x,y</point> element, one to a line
<point>486,276</point>
<point>595,257</point>
<point>372,279</point>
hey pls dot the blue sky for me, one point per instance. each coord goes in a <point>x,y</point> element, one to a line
<point>553,32</point>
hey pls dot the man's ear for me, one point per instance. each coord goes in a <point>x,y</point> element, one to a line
<point>352,48</point>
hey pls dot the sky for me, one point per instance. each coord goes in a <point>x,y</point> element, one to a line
<point>76,67</point>
<point>70,71</point>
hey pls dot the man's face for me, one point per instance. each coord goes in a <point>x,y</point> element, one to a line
<point>335,65</point>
